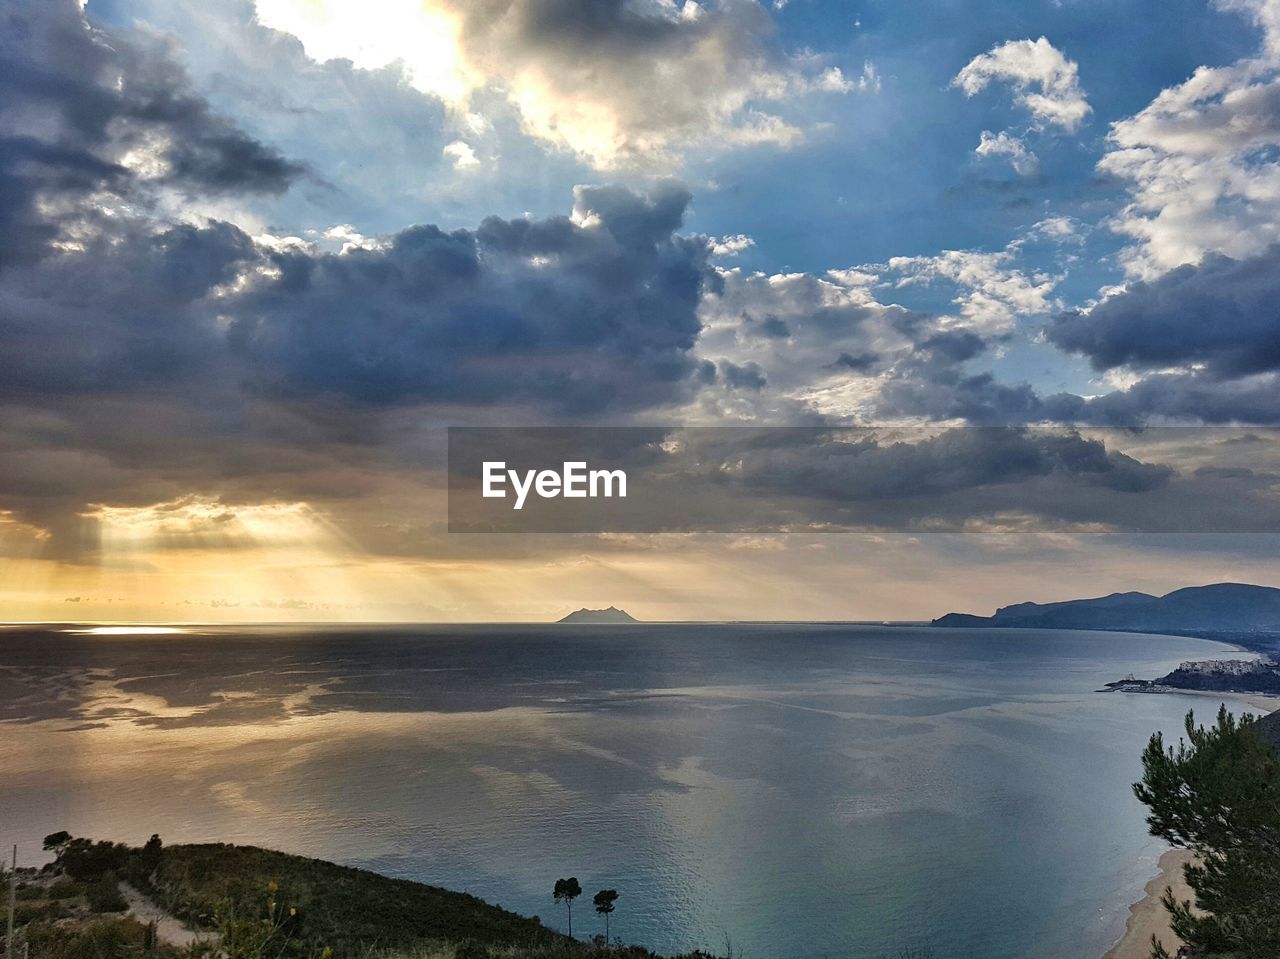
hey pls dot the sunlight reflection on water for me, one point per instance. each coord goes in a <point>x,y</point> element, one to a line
<point>129,631</point>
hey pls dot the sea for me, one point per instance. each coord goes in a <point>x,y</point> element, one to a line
<point>764,791</point>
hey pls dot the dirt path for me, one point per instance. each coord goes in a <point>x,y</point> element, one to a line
<point>168,928</point>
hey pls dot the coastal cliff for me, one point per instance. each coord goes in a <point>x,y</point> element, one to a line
<point>1215,608</point>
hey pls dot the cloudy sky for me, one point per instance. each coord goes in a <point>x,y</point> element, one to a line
<point>256,256</point>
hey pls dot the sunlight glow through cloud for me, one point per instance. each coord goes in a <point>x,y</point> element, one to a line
<point>635,86</point>
<point>421,36</point>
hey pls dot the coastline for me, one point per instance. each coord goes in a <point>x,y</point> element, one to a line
<point>1148,917</point>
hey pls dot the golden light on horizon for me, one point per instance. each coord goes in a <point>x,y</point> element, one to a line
<point>242,560</point>
<point>201,560</point>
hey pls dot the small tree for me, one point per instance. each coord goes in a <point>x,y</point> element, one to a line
<point>567,890</point>
<point>604,901</point>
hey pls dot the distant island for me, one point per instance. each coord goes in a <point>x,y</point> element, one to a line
<point>599,617</point>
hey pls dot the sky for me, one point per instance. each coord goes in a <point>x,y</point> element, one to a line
<point>257,255</point>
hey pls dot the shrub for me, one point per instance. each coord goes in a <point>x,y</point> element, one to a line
<point>64,889</point>
<point>99,939</point>
<point>103,895</point>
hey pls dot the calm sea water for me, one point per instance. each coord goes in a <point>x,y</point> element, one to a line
<point>802,790</point>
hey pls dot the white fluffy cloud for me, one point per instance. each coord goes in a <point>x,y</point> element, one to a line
<point>991,291</point>
<point>617,83</point>
<point>1025,163</point>
<point>461,155</point>
<point>1201,160</point>
<point>787,347</point>
<point>731,245</point>
<point>1044,81</point>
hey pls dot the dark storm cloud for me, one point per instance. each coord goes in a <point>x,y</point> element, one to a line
<point>860,363</point>
<point>611,24</point>
<point>1174,397</point>
<point>872,465</point>
<point>153,362</point>
<point>123,315</point>
<point>748,376</point>
<point>1219,318</point>
<point>580,315</point>
<point>953,346</point>
<point>948,393</point>
<point>932,382</point>
<point>1224,313</point>
<point>79,105</point>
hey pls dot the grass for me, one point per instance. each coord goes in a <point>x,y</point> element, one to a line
<point>119,938</point>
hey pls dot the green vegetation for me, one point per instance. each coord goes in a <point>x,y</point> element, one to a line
<point>1218,794</point>
<point>251,903</point>
<point>345,909</point>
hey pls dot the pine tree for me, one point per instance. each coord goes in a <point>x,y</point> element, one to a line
<point>1218,794</point>
<point>604,901</point>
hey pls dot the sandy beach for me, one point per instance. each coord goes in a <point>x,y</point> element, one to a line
<point>1265,702</point>
<point>1148,917</point>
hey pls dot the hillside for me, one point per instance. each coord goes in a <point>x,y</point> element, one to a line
<point>599,617</point>
<point>340,907</point>
<point>304,905</point>
<point>1214,609</point>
